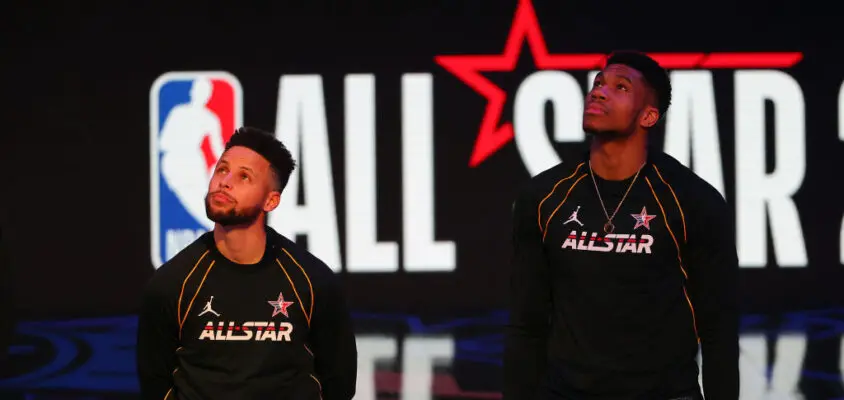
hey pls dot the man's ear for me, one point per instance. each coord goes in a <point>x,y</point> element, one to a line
<point>272,201</point>
<point>650,116</point>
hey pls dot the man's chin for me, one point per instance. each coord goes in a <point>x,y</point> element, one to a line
<point>601,133</point>
<point>231,220</point>
<point>592,129</point>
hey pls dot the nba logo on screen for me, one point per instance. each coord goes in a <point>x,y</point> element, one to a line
<point>192,116</point>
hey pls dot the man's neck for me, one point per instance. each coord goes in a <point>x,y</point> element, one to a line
<point>241,244</point>
<point>617,159</point>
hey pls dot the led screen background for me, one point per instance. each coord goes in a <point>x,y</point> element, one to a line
<point>76,155</point>
<point>77,152</point>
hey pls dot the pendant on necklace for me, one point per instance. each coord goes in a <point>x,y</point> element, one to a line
<point>609,227</point>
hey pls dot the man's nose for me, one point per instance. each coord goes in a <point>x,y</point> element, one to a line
<point>225,182</point>
<point>597,93</point>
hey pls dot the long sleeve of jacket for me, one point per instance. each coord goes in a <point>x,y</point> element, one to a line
<point>527,332</point>
<point>333,342</point>
<point>712,264</point>
<point>158,338</point>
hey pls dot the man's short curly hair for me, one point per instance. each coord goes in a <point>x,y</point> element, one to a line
<point>653,73</point>
<point>265,144</point>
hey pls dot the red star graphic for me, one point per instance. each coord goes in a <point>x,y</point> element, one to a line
<point>493,135</point>
<point>643,219</point>
<point>280,306</point>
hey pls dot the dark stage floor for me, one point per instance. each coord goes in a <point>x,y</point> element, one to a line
<point>788,356</point>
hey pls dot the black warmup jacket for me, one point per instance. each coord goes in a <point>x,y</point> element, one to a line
<point>279,329</point>
<point>620,316</point>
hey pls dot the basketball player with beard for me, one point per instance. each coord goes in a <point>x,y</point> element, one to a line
<point>617,302</point>
<point>243,312</point>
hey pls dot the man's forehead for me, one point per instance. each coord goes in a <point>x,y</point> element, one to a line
<point>623,70</point>
<point>245,157</point>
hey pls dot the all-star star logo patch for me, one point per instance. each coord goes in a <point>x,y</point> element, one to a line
<point>643,219</point>
<point>280,306</point>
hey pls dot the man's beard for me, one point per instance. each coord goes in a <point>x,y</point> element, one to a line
<point>610,134</point>
<point>607,134</point>
<point>233,216</point>
<point>602,135</point>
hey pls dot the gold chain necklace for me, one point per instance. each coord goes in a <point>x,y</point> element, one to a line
<point>609,227</point>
